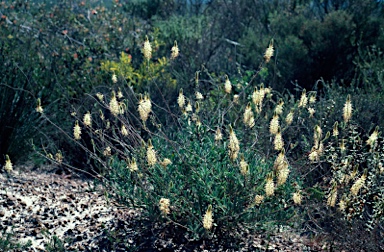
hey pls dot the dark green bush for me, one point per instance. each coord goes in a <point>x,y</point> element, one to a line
<point>316,40</point>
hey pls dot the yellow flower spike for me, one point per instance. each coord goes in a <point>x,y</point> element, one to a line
<point>359,184</point>
<point>279,107</point>
<point>269,186</point>
<point>165,162</point>
<point>303,99</point>
<point>122,108</point>
<point>181,99</point>
<point>124,130</point>
<point>318,133</point>
<point>312,98</point>
<point>87,119</point>
<point>175,51</point>
<point>233,146</point>
<point>107,151</point>
<point>198,122</point>
<point>249,119</point>
<point>100,96</point>
<point>144,108</point>
<point>151,154</point>
<point>114,105</point>
<point>347,110</point>
<point>259,199</point>
<point>197,78</point>
<point>147,49</point>
<point>342,205</point>
<point>77,131</point>
<point>120,94</point>
<point>327,135</point>
<point>373,137</point>
<point>164,206</point>
<point>289,118</point>
<point>335,131</point>
<point>188,108</point>
<point>114,78</point>
<point>218,134</point>
<point>283,175</point>
<point>280,161</point>
<point>274,124</point>
<point>342,146</point>
<point>227,85</point>
<point>278,141</point>
<point>39,108</point>
<point>258,97</point>
<point>244,167</point>
<point>311,112</point>
<point>59,157</point>
<point>296,197</point>
<point>354,171</point>
<point>208,218</point>
<point>132,165</point>
<point>269,52</point>
<point>8,167</point>
<point>236,99</point>
<point>199,96</point>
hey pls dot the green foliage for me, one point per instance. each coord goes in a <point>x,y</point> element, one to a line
<point>357,173</point>
<point>315,40</point>
<point>201,174</point>
<point>54,244</point>
<point>369,70</point>
<point>7,242</point>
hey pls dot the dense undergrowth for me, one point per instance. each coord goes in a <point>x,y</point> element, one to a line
<point>199,132</point>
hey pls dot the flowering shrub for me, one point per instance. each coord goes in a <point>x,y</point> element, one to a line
<point>224,161</point>
<point>201,172</point>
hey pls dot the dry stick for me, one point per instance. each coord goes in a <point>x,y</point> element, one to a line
<point>118,118</point>
<point>249,84</point>
<point>69,166</point>
<point>82,146</point>
<point>164,136</point>
<point>166,103</point>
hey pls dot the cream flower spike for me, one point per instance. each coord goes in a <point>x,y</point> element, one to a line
<point>39,108</point>
<point>233,146</point>
<point>8,167</point>
<point>181,99</point>
<point>147,49</point>
<point>164,206</point>
<point>347,110</point>
<point>269,52</point>
<point>151,154</point>
<point>87,119</point>
<point>269,186</point>
<point>175,51</point>
<point>208,219</point>
<point>114,105</point>
<point>77,131</point>
<point>303,99</point>
<point>227,85</point>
